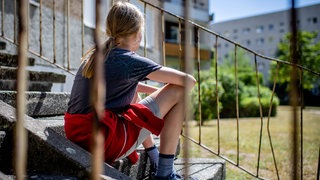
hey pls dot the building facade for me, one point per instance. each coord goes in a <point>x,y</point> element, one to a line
<point>262,33</point>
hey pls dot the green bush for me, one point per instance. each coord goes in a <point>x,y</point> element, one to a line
<point>250,107</point>
<point>207,96</point>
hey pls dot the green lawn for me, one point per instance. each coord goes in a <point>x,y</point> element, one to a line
<point>249,133</point>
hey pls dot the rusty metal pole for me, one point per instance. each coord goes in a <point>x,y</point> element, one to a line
<point>188,66</point>
<point>294,91</point>
<point>20,133</point>
<point>97,99</point>
<point>54,31</point>
<point>40,26</point>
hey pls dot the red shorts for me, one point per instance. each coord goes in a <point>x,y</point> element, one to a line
<point>121,132</point>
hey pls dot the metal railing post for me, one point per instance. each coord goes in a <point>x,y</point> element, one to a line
<point>40,26</point>
<point>97,95</point>
<point>294,91</point>
<point>237,99</point>
<point>20,133</point>
<point>199,82</point>
<point>188,62</point>
<point>217,95</point>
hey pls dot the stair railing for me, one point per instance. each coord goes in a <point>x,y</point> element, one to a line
<point>216,38</point>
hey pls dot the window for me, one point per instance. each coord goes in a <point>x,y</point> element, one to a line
<point>226,33</point>
<point>281,23</point>
<point>235,30</point>
<point>315,20</point>
<point>246,30</point>
<point>259,29</point>
<point>309,20</point>
<point>259,41</point>
<point>270,39</point>
<point>271,27</point>
<point>172,32</point>
<point>248,42</point>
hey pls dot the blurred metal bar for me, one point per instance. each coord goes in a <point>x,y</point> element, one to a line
<point>180,44</point>
<point>199,82</point>
<point>188,62</point>
<point>15,21</point>
<point>294,91</point>
<point>318,173</point>
<point>20,149</point>
<point>261,113</point>
<point>97,97</point>
<point>40,26</point>
<point>2,18</point>
<point>82,29</point>
<point>268,122</point>
<point>68,33</point>
<point>145,30</point>
<point>237,99</point>
<point>301,121</point>
<point>28,36</point>
<point>163,40</point>
<point>217,93</point>
<point>54,32</point>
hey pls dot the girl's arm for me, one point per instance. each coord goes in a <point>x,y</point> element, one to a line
<point>145,88</point>
<point>172,76</point>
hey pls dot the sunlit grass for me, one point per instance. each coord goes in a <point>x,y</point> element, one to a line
<point>249,137</point>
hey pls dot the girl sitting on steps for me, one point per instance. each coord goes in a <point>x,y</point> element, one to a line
<point>129,121</point>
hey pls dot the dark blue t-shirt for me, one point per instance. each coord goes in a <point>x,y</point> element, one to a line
<point>123,70</point>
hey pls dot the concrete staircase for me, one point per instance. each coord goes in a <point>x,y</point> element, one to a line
<point>37,80</point>
<point>50,154</point>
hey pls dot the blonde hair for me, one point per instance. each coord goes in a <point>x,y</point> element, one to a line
<point>123,19</point>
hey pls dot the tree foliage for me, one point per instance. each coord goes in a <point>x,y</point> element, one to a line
<point>248,96</point>
<point>309,57</point>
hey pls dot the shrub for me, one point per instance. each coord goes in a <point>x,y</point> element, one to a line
<point>250,107</point>
<point>208,98</point>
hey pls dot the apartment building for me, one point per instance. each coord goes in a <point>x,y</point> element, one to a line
<point>262,33</point>
<point>199,13</point>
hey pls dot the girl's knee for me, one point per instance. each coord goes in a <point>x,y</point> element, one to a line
<point>177,91</point>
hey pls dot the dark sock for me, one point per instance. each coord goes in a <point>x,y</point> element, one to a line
<point>153,154</point>
<point>165,166</point>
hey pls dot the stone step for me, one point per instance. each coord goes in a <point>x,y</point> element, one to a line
<point>11,85</point>
<point>12,60</point>
<point>53,127</point>
<point>40,103</point>
<point>201,168</point>
<point>49,153</point>
<point>10,73</point>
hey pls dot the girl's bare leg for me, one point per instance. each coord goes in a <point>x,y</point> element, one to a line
<point>170,101</point>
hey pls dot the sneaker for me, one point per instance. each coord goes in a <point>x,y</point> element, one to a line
<point>175,176</point>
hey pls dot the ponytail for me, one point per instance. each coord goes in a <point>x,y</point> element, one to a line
<point>89,58</point>
<point>123,19</point>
